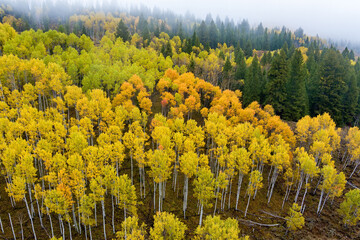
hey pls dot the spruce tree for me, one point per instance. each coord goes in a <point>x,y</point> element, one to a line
<point>276,87</point>
<point>226,75</point>
<point>296,98</point>
<point>331,84</point>
<point>248,49</point>
<point>240,64</point>
<point>122,31</point>
<point>253,82</point>
<point>350,99</point>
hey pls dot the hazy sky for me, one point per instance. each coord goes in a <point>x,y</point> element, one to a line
<point>329,18</point>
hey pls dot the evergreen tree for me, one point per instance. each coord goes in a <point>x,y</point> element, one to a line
<point>248,49</point>
<point>167,50</point>
<point>226,75</point>
<point>213,35</point>
<point>351,96</point>
<point>240,65</point>
<point>296,98</point>
<point>122,31</point>
<point>276,87</point>
<point>331,84</point>
<point>346,53</point>
<point>203,33</point>
<point>253,82</point>
<point>312,84</point>
<point>352,55</point>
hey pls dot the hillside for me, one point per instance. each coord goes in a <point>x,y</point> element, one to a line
<point>105,127</point>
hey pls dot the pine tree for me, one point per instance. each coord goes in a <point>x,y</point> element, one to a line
<point>253,83</point>
<point>277,80</point>
<point>331,85</point>
<point>122,31</point>
<point>296,99</point>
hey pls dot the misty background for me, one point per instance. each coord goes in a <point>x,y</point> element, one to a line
<point>335,20</point>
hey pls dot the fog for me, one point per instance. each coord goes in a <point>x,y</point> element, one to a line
<point>334,19</point>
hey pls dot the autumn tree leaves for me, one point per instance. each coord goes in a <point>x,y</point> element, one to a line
<point>80,156</point>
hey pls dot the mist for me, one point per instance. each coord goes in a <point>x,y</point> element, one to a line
<point>330,19</point>
<point>335,19</point>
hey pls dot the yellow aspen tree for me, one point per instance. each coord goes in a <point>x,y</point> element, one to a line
<point>349,207</point>
<point>215,228</point>
<point>255,183</point>
<point>204,187</point>
<point>188,165</point>
<point>333,185</point>
<point>280,159</point>
<point>167,226</point>
<point>295,220</point>
<point>308,169</point>
<point>160,170</point>
<point>242,161</point>
<point>131,230</point>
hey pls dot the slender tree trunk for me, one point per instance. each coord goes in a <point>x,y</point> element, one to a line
<point>247,205</point>
<point>70,230</point>
<point>201,214</point>
<point>216,199</point>
<point>154,196</point>
<point>78,204</point>
<point>85,232</point>
<point>90,232</point>
<point>185,195</point>
<point>112,216</point>
<point>51,225</point>
<point>74,216</point>
<point>1,225</point>
<point>132,172</point>
<point>12,227</point>
<point>357,164</point>
<point>230,193</point>
<point>238,189</point>
<point>31,220</point>
<point>321,196</point>
<point>103,213</point>
<point>299,187</point>
<point>95,215</point>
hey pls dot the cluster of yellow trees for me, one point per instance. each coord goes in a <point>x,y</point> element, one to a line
<point>65,149</point>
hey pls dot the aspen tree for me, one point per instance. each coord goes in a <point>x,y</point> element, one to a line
<point>349,207</point>
<point>295,220</point>
<point>167,226</point>
<point>204,186</point>
<point>255,183</point>
<point>188,165</point>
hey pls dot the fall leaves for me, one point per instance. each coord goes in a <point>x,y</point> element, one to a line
<point>68,149</point>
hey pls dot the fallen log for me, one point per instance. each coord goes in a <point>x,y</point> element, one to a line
<point>259,224</point>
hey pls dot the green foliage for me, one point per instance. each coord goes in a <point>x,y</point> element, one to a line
<point>253,83</point>
<point>122,31</point>
<point>277,82</point>
<point>296,99</point>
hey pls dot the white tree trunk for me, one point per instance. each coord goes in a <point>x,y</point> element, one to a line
<point>247,205</point>
<point>31,220</point>
<point>238,190</point>
<point>103,213</point>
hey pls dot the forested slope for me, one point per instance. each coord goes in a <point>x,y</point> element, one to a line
<point>100,135</point>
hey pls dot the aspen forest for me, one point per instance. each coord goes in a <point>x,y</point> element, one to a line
<point>148,125</point>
